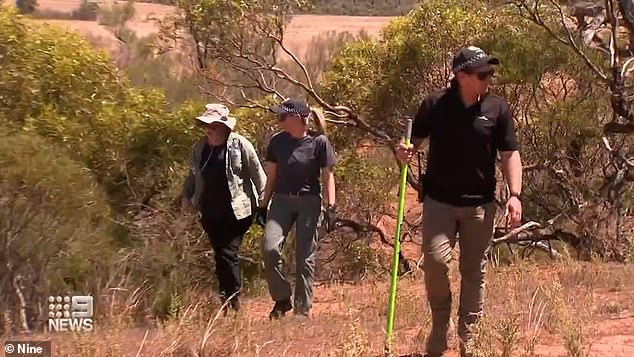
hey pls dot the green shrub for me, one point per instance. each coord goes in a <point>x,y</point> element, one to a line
<point>87,10</point>
<point>26,6</point>
<point>53,226</point>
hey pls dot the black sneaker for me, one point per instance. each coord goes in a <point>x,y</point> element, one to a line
<point>235,304</point>
<point>280,309</point>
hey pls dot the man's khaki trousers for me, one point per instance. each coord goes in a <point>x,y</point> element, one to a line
<point>474,229</point>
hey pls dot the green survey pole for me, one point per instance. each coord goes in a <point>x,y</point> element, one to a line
<point>397,244</point>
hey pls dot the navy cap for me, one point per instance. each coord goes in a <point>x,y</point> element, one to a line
<point>471,57</point>
<point>291,106</point>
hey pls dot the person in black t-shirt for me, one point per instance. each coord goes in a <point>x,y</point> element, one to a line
<point>296,159</point>
<point>467,126</point>
<point>226,185</point>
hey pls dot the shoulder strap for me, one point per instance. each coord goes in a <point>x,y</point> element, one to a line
<point>421,178</point>
<point>197,150</point>
<point>236,141</point>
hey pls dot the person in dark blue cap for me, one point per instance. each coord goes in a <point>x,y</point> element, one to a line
<point>296,160</point>
<point>467,127</point>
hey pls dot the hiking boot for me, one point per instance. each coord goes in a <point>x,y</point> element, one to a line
<point>280,309</point>
<point>301,316</point>
<point>463,350</point>
<point>235,304</point>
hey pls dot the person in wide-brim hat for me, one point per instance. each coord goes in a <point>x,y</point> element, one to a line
<point>224,169</point>
<point>217,113</point>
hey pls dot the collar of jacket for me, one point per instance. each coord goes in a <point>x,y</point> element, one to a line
<point>243,198</point>
<point>232,141</point>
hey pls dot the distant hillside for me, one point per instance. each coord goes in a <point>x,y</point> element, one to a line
<point>364,7</point>
<point>348,7</point>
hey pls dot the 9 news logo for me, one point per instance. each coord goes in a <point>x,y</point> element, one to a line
<point>70,313</point>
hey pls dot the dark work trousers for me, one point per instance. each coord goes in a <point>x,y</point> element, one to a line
<point>225,237</point>
<point>284,211</point>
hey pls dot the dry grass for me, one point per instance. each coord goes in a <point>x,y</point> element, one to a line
<point>532,310</point>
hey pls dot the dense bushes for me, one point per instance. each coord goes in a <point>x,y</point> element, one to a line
<point>558,104</point>
<point>57,85</point>
<point>82,152</point>
<point>82,129</point>
<point>26,6</point>
<point>54,224</point>
<point>91,165</point>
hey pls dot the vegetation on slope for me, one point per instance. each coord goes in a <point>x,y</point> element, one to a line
<point>103,183</point>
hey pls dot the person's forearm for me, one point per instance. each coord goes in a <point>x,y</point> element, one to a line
<point>512,170</point>
<point>271,175</point>
<point>258,176</point>
<point>187,190</point>
<point>268,192</point>
<point>328,179</point>
<point>416,142</point>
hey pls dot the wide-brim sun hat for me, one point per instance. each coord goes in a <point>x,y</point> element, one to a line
<point>217,113</point>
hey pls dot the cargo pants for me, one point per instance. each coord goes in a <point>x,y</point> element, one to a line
<point>304,212</point>
<point>474,229</point>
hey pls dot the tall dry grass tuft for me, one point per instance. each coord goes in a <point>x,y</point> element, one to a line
<point>355,343</point>
<point>528,309</point>
<point>209,330</point>
<point>482,340</point>
<point>507,335</point>
<point>534,324</point>
<point>568,324</point>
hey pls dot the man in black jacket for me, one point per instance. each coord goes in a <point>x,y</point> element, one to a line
<point>467,127</point>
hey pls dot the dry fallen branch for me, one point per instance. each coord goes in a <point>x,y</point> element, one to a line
<point>532,234</point>
<point>362,229</point>
<point>536,167</point>
<point>513,234</point>
<point>538,238</point>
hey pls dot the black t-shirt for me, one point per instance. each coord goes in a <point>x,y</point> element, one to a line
<point>463,145</point>
<point>299,162</point>
<point>216,197</point>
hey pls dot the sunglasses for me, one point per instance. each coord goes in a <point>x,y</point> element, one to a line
<point>282,117</point>
<point>212,126</point>
<point>483,75</point>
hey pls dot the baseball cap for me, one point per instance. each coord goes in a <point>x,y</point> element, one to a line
<point>471,57</point>
<point>291,106</point>
<point>217,113</point>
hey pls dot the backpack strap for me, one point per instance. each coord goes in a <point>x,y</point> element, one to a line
<point>236,141</point>
<point>421,176</point>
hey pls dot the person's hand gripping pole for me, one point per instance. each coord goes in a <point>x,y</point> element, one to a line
<point>402,154</point>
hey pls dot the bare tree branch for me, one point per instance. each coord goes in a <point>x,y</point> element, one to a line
<point>574,45</point>
<point>512,235</point>
<point>360,229</point>
<point>535,17</point>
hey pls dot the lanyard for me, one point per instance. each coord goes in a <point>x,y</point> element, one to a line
<point>212,150</point>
